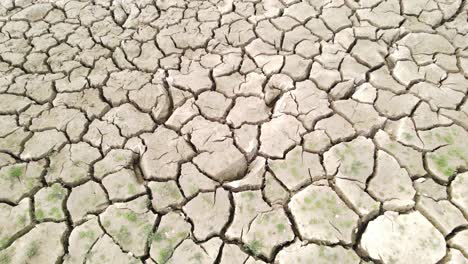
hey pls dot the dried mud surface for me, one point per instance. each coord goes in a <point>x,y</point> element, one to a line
<point>233,131</point>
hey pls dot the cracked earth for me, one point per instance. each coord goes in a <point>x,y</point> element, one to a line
<point>233,131</point>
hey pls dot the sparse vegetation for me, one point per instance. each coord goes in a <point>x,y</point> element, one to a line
<point>280,227</point>
<point>442,164</point>
<point>39,213</point>
<point>3,241</point>
<point>248,195</point>
<point>22,219</point>
<point>106,223</point>
<point>130,216</point>
<point>5,258</point>
<point>165,243</point>
<point>87,234</point>
<point>197,257</point>
<point>295,172</point>
<point>356,166</point>
<point>32,250</point>
<point>164,255</point>
<point>131,189</point>
<point>124,234</point>
<point>159,236</point>
<point>119,157</point>
<point>254,247</point>
<point>173,191</point>
<point>446,138</point>
<point>15,172</point>
<point>407,136</point>
<point>56,213</point>
<point>31,182</point>
<point>57,193</point>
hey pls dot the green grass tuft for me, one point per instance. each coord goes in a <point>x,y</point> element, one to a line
<point>5,259</point>
<point>131,216</point>
<point>15,172</point>
<point>254,247</point>
<point>87,234</point>
<point>280,227</point>
<point>164,255</point>
<point>32,250</point>
<point>123,234</point>
<point>443,165</point>
<point>57,194</point>
<point>39,214</point>
<point>159,236</point>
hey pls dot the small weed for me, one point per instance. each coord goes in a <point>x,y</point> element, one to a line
<point>392,260</point>
<point>347,223</point>
<point>57,193</point>
<point>30,182</point>
<point>311,145</point>
<point>15,172</point>
<point>22,220</point>
<point>448,172</point>
<point>123,234</point>
<point>147,229</point>
<point>254,247</point>
<point>87,234</point>
<point>56,212</point>
<point>318,204</point>
<point>282,165</point>
<point>322,252</point>
<point>164,255</point>
<point>197,257</point>
<point>119,158</point>
<point>130,216</point>
<point>407,136</point>
<point>356,166</point>
<point>447,138</point>
<point>39,214</point>
<point>106,223</point>
<point>443,165</point>
<point>3,242</point>
<point>280,227</point>
<point>456,152</point>
<point>5,259</point>
<point>295,172</point>
<point>131,189</point>
<point>173,191</point>
<point>159,236</point>
<point>32,250</point>
<point>441,161</point>
<point>248,195</point>
<point>339,154</point>
<point>314,221</point>
<point>334,209</point>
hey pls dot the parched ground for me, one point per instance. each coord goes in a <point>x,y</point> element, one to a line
<point>233,131</point>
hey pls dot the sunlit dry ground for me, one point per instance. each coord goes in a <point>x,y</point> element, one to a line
<point>233,132</point>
